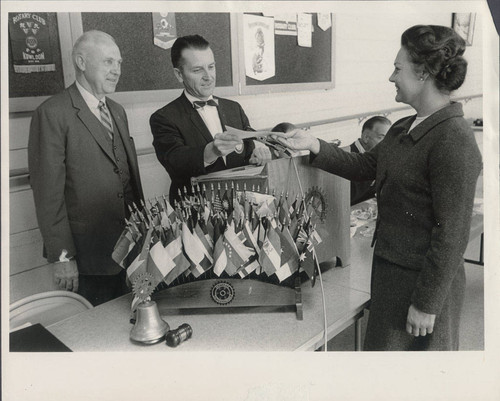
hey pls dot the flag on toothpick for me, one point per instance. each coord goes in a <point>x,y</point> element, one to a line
<point>139,264</point>
<point>270,257</point>
<point>284,214</point>
<point>205,239</point>
<point>174,250</point>
<point>123,247</point>
<point>227,204</point>
<point>238,213</point>
<point>159,263</point>
<point>195,252</point>
<point>220,256</point>
<point>236,250</point>
<point>289,256</point>
<point>309,262</point>
<point>249,267</point>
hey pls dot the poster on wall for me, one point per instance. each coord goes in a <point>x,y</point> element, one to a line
<point>258,38</point>
<point>164,30</point>
<point>30,43</point>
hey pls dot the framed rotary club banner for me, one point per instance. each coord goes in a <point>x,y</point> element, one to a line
<point>30,42</point>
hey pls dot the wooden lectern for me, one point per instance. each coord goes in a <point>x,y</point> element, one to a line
<point>328,197</point>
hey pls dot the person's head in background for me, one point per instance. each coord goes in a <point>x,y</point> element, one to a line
<point>428,67</point>
<point>194,65</point>
<point>283,127</point>
<point>373,131</point>
<point>97,61</point>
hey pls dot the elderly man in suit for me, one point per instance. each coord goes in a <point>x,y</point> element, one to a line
<point>84,171</point>
<point>372,132</point>
<point>189,133</point>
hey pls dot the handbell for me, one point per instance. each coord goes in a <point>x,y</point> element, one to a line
<point>149,327</point>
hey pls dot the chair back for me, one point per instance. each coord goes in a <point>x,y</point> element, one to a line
<point>46,308</point>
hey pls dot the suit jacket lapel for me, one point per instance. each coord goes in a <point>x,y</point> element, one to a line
<point>121,127</point>
<point>222,115</point>
<point>89,120</point>
<point>196,119</point>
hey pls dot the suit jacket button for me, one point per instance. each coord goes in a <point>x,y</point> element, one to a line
<point>120,195</point>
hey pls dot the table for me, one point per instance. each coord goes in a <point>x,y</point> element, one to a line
<point>106,327</point>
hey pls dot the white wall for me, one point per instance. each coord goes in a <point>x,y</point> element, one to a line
<point>365,48</point>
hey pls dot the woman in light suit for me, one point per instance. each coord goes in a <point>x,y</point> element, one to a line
<point>426,170</point>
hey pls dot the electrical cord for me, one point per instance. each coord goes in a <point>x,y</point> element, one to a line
<point>325,323</point>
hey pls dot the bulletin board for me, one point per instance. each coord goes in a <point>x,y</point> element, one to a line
<point>148,67</point>
<point>296,68</point>
<point>147,74</point>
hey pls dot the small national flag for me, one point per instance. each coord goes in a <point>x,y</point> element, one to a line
<point>174,250</point>
<point>293,207</point>
<point>195,251</point>
<point>250,240</point>
<point>238,213</point>
<point>284,214</point>
<point>220,257</point>
<point>289,256</point>
<point>123,247</point>
<point>249,267</point>
<point>139,264</point>
<point>159,263</point>
<point>236,250</point>
<point>227,201</point>
<point>309,262</point>
<point>204,238</point>
<point>217,204</point>
<point>270,257</point>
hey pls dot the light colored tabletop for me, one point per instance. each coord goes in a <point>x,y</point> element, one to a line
<point>107,327</point>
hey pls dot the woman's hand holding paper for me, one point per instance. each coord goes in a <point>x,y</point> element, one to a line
<point>298,140</point>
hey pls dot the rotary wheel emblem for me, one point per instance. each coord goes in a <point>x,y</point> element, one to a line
<point>143,286</point>
<point>315,200</point>
<point>222,293</point>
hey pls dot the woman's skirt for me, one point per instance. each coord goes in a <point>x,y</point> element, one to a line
<point>391,290</point>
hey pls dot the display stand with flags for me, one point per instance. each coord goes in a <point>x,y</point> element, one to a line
<point>241,238</point>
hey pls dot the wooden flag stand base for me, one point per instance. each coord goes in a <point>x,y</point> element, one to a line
<point>231,295</point>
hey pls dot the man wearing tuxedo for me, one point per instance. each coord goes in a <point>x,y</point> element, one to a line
<point>84,171</point>
<point>372,132</point>
<point>189,133</point>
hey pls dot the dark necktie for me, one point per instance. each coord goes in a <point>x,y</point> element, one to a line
<point>198,104</point>
<point>106,118</point>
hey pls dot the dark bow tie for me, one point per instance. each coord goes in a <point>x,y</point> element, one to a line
<point>200,103</point>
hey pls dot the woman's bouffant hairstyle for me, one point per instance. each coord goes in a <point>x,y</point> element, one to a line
<point>439,50</point>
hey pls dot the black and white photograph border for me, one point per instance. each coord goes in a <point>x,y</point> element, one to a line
<point>231,374</point>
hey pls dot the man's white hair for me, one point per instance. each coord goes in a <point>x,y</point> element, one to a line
<point>88,40</point>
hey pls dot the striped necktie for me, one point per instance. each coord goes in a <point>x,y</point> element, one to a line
<point>106,118</point>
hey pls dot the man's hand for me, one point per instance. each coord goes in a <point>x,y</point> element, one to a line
<point>298,140</point>
<point>419,323</point>
<point>66,275</point>
<point>223,144</point>
<point>260,155</point>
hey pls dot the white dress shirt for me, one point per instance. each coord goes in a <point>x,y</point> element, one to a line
<point>92,101</point>
<point>210,117</point>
